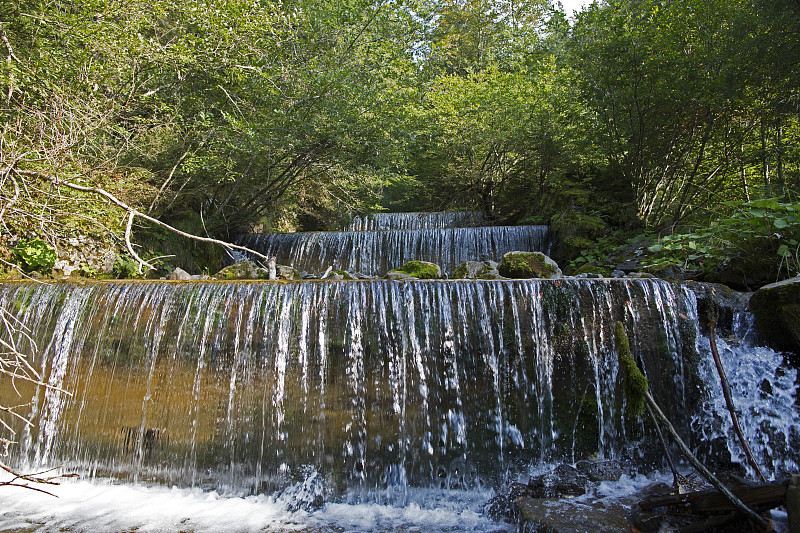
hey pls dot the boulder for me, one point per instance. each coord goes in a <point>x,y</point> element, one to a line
<point>242,270</point>
<point>776,308</point>
<point>528,265</point>
<point>418,270</point>
<point>720,302</point>
<point>564,480</point>
<point>477,270</point>
<point>598,471</point>
<point>180,274</point>
<point>287,273</point>
<point>398,276</point>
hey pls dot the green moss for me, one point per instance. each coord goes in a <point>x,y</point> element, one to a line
<point>420,269</point>
<point>525,265</point>
<point>345,274</point>
<point>593,269</point>
<point>460,271</point>
<point>587,437</point>
<point>634,382</point>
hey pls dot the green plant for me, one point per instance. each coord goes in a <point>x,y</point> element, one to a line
<point>765,228</point>
<point>36,254</point>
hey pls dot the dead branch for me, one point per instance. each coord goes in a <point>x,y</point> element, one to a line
<point>624,353</point>
<point>726,392</point>
<point>700,467</point>
<point>132,213</point>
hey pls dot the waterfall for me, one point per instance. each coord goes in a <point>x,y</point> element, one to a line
<point>395,406</point>
<point>376,252</point>
<point>416,220</point>
<point>375,385</point>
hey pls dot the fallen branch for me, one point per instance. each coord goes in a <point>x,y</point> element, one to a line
<point>22,480</point>
<point>726,392</point>
<point>132,213</point>
<point>636,383</point>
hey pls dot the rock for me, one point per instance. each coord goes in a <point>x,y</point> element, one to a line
<point>569,516</point>
<point>398,276</point>
<point>503,506</point>
<point>477,270</point>
<point>65,267</point>
<point>719,301</point>
<point>242,270</point>
<point>180,274</point>
<point>418,270</point>
<point>669,270</point>
<point>618,274</point>
<point>564,480</point>
<point>640,275</point>
<point>340,274</point>
<point>776,308</point>
<point>287,273</point>
<point>526,265</point>
<point>109,258</point>
<point>793,504</point>
<point>598,471</point>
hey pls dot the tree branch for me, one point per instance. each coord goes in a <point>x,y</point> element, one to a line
<point>132,213</point>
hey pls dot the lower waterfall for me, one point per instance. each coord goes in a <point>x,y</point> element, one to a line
<point>414,397</point>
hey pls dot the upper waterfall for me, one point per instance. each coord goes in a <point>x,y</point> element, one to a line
<point>416,220</point>
<point>376,252</point>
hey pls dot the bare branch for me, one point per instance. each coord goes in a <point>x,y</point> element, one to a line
<point>135,213</point>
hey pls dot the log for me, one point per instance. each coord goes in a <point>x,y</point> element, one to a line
<point>793,504</point>
<point>763,496</point>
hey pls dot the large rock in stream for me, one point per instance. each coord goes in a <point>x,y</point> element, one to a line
<point>249,270</point>
<point>776,308</point>
<point>526,265</point>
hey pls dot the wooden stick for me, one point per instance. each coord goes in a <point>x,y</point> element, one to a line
<point>675,475</point>
<point>134,213</point>
<point>700,467</point>
<point>726,392</point>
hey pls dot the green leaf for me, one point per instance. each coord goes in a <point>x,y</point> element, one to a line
<point>655,248</point>
<point>783,251</point>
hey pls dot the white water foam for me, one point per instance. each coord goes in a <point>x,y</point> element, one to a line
<point>765,393</point>
<point>107,507</point>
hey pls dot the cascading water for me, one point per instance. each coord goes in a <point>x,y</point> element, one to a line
<point>416,220</point>
<point>397,405</point>
<point>375,384</point>
<point>376,252</point>
<point>765,392</point>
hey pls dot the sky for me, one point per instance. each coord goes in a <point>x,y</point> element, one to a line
<point>573,5</point>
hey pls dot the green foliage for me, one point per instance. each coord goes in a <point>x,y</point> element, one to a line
<point>125,267</point>
<point>633,381</point>
<point>766,228</point>
<point>36,254</point>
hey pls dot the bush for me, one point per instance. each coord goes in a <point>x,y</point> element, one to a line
<point>36,255</point>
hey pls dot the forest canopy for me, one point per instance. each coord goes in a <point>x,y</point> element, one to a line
<point>220,117</point>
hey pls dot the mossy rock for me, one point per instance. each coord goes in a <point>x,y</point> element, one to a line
<point>593,269</point>
<point>242,270</point>
<point>476,270</point>
<point>288,273</point>
<point>776,308</point>
<point>345,274</point>
<point>527,265</point>
<point>419,270</point>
